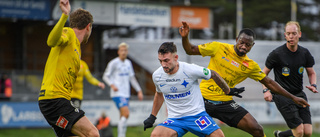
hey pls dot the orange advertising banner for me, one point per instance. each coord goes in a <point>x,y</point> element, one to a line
<point>196,17</point>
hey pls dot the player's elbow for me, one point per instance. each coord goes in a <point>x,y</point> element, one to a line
<point>51,43</point>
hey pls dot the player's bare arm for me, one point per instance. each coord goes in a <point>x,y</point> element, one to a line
<point>220,82</point>
<point>157,103</point>
<point>276,88</point>
<point>189,48</point>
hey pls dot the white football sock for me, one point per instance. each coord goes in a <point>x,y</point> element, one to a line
<point>122,127</point>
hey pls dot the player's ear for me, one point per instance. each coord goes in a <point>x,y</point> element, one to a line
<point>88,27</point>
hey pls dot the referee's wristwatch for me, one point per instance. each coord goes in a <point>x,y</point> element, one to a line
<point>265,90</point>
<point>314,85</point>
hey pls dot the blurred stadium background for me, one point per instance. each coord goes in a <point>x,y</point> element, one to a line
<point>144,25</point>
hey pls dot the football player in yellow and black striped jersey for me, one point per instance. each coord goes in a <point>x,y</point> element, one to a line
<point>234,66</point>
<point>77,92</point>
<point>61,71</point>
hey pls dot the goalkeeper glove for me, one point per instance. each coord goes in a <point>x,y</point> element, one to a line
<point>148,123</point>
<point>236,91</point>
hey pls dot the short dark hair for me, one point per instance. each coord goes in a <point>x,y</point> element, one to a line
<point>248,32</point>
<point>80,18</point>
<point>167,47</point>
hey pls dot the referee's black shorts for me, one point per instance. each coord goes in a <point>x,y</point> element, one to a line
<point>60,114</point>
<point>228,112</point>
<point>293,114</point>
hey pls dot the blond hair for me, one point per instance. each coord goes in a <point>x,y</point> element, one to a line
<point>123,44</point>
<point>293,23</point>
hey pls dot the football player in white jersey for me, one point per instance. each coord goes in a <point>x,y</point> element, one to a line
<point>118,75</point>
<point>177,85</point>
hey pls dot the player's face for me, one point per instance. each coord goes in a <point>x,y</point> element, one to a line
<point>123,52</point>
<point>292,35</point>
<point>168,62</point>
<point>244,44</point>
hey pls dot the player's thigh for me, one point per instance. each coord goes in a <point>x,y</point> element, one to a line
<point>124,111</point>
<point>83,127</point>
<point>161,131</point>
<point>217,133</point>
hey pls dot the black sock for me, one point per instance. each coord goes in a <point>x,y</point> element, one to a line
<point>286,133</point>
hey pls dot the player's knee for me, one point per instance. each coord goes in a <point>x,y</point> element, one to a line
<point>94,133</point>
<point>154,134</point>
<point>258,131</point>
<point>307,134</point>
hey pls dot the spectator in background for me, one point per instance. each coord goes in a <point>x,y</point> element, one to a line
<point>103,125</point>
<point>5,88</point>
<point>288,63</point>
<point>77,92</point>
<point>118,75</point>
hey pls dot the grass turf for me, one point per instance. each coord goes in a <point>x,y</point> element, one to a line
<point>138,132</point>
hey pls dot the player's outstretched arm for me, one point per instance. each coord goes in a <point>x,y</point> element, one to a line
<point>276,88</point>
<point>189,48</point>
<point>54,37</point>
<point>157,103</point>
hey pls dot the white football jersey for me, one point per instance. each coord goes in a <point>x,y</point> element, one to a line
<point>119,73</point>
<point>181,90</point>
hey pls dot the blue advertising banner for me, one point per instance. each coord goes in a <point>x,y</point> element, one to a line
<point>21,114</point>
<point>25,9</point>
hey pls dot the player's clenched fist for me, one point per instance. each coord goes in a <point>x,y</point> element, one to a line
<point>148,123</point>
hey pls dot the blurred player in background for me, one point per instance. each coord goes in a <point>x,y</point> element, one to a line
<point>119,74</point>
<point>177,85</point>
<point>77,92</point>
<point>61,72</point>
<point>233,64</point>
<point>288,63</point>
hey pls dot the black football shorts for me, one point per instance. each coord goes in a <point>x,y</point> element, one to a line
<point>60,114</point>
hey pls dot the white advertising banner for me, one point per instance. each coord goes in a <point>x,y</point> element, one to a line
<point>139,111</point>
<point>143,15</point>
<point>264,112</point>
<point>103,12</point>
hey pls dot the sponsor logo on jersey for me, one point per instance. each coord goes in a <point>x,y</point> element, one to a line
<point>173,89</point>
<point>62,122</point>
<point>203,122</point>
<point>301,69</point>
<point>176,96</point>
<point>225,58</point>
<point>161,85</point>
<point>245,63</point>
<point>185,83</point>
<point>77,53</point>
<point>172,80</point>
<point>205,71</point>
<point>234,63</point>
<point>123,74</point>
<point>42,93</point>
<point>168,121</point>
<point>285,71</point>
